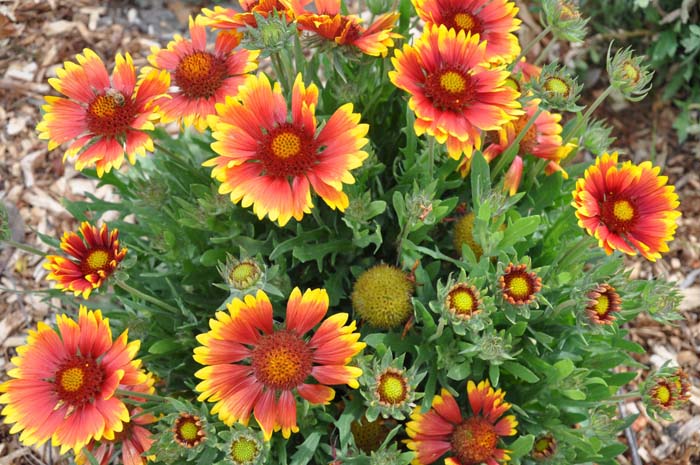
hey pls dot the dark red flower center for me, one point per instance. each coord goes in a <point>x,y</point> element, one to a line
<point>451,88</point>
<point>465,21</point>
<point>350,31</point>
<point>96,260</point>
<point>519,287</point>
<point>200,74</point>
<point>78,380</point>
<point>110,114</point>
<point>392,388</point>
<point>474,441</point>
<point>188,430</point>
<point>282,360</point>
<point>287,150</point>
<point>618,214</point>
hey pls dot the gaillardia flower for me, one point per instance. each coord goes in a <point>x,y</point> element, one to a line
<point>382,296</point>
<point>228,18</point>
<point>455,94</point>
<point>135,439</point>
<point>188,430</point>
<point>106,117</point>
<point>270,162</point>
<point>64,383</point>
<point>544,448</point>
<point>95,257</point>
<point>469,441</point>
<point>542,140</point>
<point>628,208</point>
<point>201,78</point>
<point>253,365</point>
<point>603,303</point>
<point>347,30</point>
<point>518,285</point>
<point>462,301</point>
<point>493,20</point>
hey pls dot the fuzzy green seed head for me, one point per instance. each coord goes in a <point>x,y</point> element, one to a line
<point>463,235</point>
<point>369,435</point>
<point>382,296</point>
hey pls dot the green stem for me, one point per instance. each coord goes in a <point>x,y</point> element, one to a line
<point>163,149</point>
<point>146,297</point>
<point>634,395</point>
<point>588,114</point>
<point>545,51</point>
<point>534,41</point>
<point>282,73</point>
<point>512,150</point>
<point>91,458</point>
<point>142,395</point>
<point>25,247</point>
<point>431,157</point>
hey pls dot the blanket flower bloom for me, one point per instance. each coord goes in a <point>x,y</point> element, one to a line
<point>106,118</point>
<point>542,140</point>
<point>329,23</point>
<point>252,365</point>
<point>493,20</point>
<point>228,18</point>
<point>202,78</point>
<point>455,94</point>
<point>628,208</point>
<point>63,386</point>
<point>469,441</point>
<point>96,256</point>
<point>272,163</point>
<point>135,439</point>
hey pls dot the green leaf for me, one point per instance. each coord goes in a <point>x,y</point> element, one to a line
<point>521,446</point>
<point>305,452</point>
<point>574,394</point>
<point>164,346</point>
<point>213,256</point>
<point>520,229</point>
<point>494,374</point>
<point>480,178</point>
<point>564,368</point>
<point>520,371</point>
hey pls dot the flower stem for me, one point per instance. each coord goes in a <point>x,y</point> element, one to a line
<point>146,297</point>
<point>587,115</point>
<point>25,247</point>
<point>431,157</point>
<point>534,41</point>
<point>634,395</point>
<point>142,395</point>
<point>545,51</point>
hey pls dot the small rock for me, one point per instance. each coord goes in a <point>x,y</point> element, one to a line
<point>675,263</point>
<point>15,126</point>
<point>21,71</point>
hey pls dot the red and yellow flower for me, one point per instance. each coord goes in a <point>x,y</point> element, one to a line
<point>202,78</point>
<point>254,366</point>
<point>135,439</point>
<point>455,94</point>
<point>105,117</point>
<point>628,208</point>
<point>470,440</point>
<point>542,140</point>
<point>63,386</point>
<point>603,303</point>
<point>95,257</point>
<point>493,20</point>
<point>271,162</point>
<point>329,23</point>
<point>228,18</point>
<point>518,286</point>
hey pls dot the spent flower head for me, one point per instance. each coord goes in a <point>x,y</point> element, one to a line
<point>629,74</point>
<point>369,434</point>
<point>382,296</point>
<point>564,20</point>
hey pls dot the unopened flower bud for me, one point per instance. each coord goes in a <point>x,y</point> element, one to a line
<point>557,89</point>
<point>628,74</point>
<point>564,19</point>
